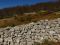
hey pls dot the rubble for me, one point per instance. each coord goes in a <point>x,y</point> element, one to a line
<point>27,34</point>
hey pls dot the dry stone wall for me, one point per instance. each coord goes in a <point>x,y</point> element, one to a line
<point>27,34</point>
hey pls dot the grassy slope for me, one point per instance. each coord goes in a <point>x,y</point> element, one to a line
<point>22,19</point>
<point>47,42</point>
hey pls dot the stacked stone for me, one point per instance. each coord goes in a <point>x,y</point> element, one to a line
<point>27,34</point>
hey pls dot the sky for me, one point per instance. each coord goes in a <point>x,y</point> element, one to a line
<point>12,3</point>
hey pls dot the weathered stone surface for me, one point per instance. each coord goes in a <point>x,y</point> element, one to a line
<point>27,34</point>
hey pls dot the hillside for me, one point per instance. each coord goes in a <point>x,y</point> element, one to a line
<point>37,24</point>
<point>12,11</point>
<point>15,15</point>
<point>23,19</point>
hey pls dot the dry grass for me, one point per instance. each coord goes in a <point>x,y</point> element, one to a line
<point>47,42</point>
<point>23,19</point>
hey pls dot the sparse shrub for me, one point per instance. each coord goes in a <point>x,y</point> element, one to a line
<point>23,18</point>
<point>28,18</point>
<point>12,25</point>
<point>36,43</point>
<point>42,12</point>
<point>46,42</point>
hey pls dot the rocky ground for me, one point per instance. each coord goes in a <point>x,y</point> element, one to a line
<point>27,34</point>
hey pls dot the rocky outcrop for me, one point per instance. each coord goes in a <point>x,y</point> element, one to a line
<point>27,34</point>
